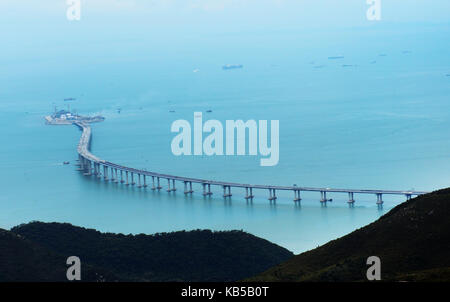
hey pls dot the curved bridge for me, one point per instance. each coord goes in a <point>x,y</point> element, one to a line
<point>90,164</point>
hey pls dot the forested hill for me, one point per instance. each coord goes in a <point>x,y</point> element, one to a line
<point>200,255</point>
<point>24,260</point>
<point>412,241</point>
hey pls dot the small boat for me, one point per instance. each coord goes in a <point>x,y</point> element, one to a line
<point>171,111</point>
<point>335,57</point>
<point>232,66</point>
<point>209,111</point>
<point>66,163</point>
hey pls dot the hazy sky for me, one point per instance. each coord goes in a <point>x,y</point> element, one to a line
<point>244,13</point>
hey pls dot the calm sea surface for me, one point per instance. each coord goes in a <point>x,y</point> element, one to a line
<point>381,123</point>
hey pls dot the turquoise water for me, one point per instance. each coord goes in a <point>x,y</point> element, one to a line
<point>374,125</point>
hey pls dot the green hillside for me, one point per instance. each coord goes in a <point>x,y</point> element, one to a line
<point>412,241</point>
<point>200,255</point>
<point>23,260</point>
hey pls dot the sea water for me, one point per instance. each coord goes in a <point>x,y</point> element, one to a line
<point>378,118</point>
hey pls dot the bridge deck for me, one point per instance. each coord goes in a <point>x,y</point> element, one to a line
<point>83,150</point>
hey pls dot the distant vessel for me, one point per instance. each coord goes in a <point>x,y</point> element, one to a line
<point>65,117</point>
<point>69,99</point>
<point>335,57</point>
<point>209,110</point>
<point>66,163</point>
<point>171,111</point>
<point>232,66</point>
<point>196,70</point>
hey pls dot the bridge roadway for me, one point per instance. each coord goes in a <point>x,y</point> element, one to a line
<point>91,165</point>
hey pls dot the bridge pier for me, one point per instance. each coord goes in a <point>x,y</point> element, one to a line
<point>274,196</point>
<point>186,191</point>
<point>127,183</point>
<point>324,198</point>
<point>209,193</point>
<point>145,181</point>
<point>121,177</point>
<point>351,200</point>
<point>297,195</point>
<point>159,184</point>
<point>132,179</point>
<point>247,196</point>
<point>105,173</point>
<point>89,168</point>
<point>139,181</point>
<point>153,183</point>
<point>379,198</point>
<point>225,194</point>
<point>116,180</point>
<point>209,190</point>
<point>173,185</point>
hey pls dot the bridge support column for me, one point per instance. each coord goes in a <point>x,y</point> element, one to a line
<point>112,175</point>
<point>350,198</point>
<point>139,181</point>
<point>153,183</point>
<point>159,184</point>
<point>247,196</point>
<point>186,190</point>
<point>379,198</point>
<point>121,177</point>
<point>127,183</point>
<point>145,181</point>
<point>297,195</point>
<point>132,179</point>
<point>80,160</point>
<point>117,178</point>
<point>169,189</point>
<point>225,194</point>
<point>209,193</point>
<point>105,173</point>
<point>324,198</point>
<point>274,196</point>
<point>89,168</point>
